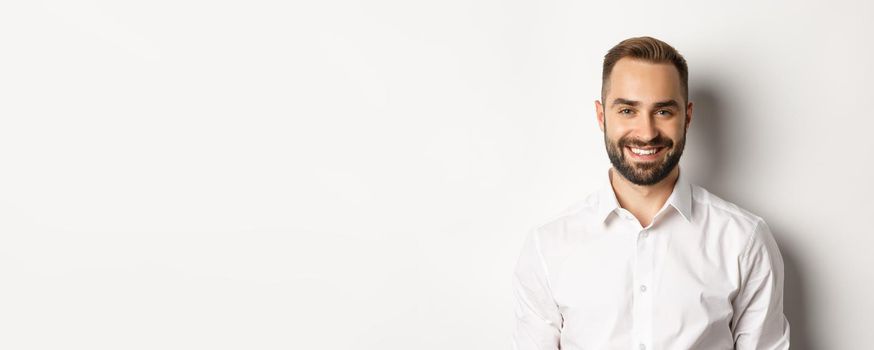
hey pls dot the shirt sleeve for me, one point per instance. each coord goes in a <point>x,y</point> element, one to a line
<point>758,321</point>
<point>538,320</point>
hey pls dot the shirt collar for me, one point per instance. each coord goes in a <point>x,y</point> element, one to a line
<point>680,199</point>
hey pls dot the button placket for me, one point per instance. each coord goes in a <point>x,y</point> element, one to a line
<point>643,307</point>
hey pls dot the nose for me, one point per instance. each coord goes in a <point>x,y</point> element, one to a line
<point>646,129</point>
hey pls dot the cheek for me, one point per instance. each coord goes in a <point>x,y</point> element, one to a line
<point>678,134</point>
<point>616,133</point>
<point>672,130</point>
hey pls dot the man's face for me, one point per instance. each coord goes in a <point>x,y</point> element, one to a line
<point>644,118</point>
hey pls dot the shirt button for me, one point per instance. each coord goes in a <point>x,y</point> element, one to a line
<point>642,347</point>
<point>644,234</point>
<point>643,288</point>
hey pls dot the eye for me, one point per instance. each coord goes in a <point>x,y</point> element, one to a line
<point>625,111</point>
<point>664,112</point>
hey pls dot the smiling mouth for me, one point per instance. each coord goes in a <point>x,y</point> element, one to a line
<point>646,153</point>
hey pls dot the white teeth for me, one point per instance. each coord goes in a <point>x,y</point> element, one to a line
<point>643,152</point>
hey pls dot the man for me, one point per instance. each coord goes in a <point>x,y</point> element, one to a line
<point>650,261</point>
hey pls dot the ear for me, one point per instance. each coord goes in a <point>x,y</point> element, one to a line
<point>599,111</point>
<point>688,115</point>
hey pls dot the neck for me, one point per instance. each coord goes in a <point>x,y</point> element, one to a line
<point>643,201</point>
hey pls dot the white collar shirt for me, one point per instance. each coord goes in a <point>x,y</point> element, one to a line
<point>705,274</point>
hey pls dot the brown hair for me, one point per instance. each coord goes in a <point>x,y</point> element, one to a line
<point>647,49</point>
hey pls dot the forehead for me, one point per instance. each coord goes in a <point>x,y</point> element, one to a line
<point>644,81</point>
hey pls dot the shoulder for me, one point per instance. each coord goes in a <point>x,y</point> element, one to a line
<point>568,225</point>
<point>718,214</point>
<point>720,206</point>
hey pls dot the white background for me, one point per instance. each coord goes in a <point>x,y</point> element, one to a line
<point>360,175</point>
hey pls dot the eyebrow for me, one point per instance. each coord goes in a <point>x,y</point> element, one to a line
<point>622,101</point>
<point>668,103</point>
<point>661,104</point>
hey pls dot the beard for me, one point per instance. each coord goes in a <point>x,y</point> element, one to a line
<point>644,173</point>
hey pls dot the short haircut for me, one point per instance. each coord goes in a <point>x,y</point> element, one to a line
<point>647,49</point>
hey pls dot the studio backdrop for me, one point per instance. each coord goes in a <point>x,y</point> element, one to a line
<point>361,174</point>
